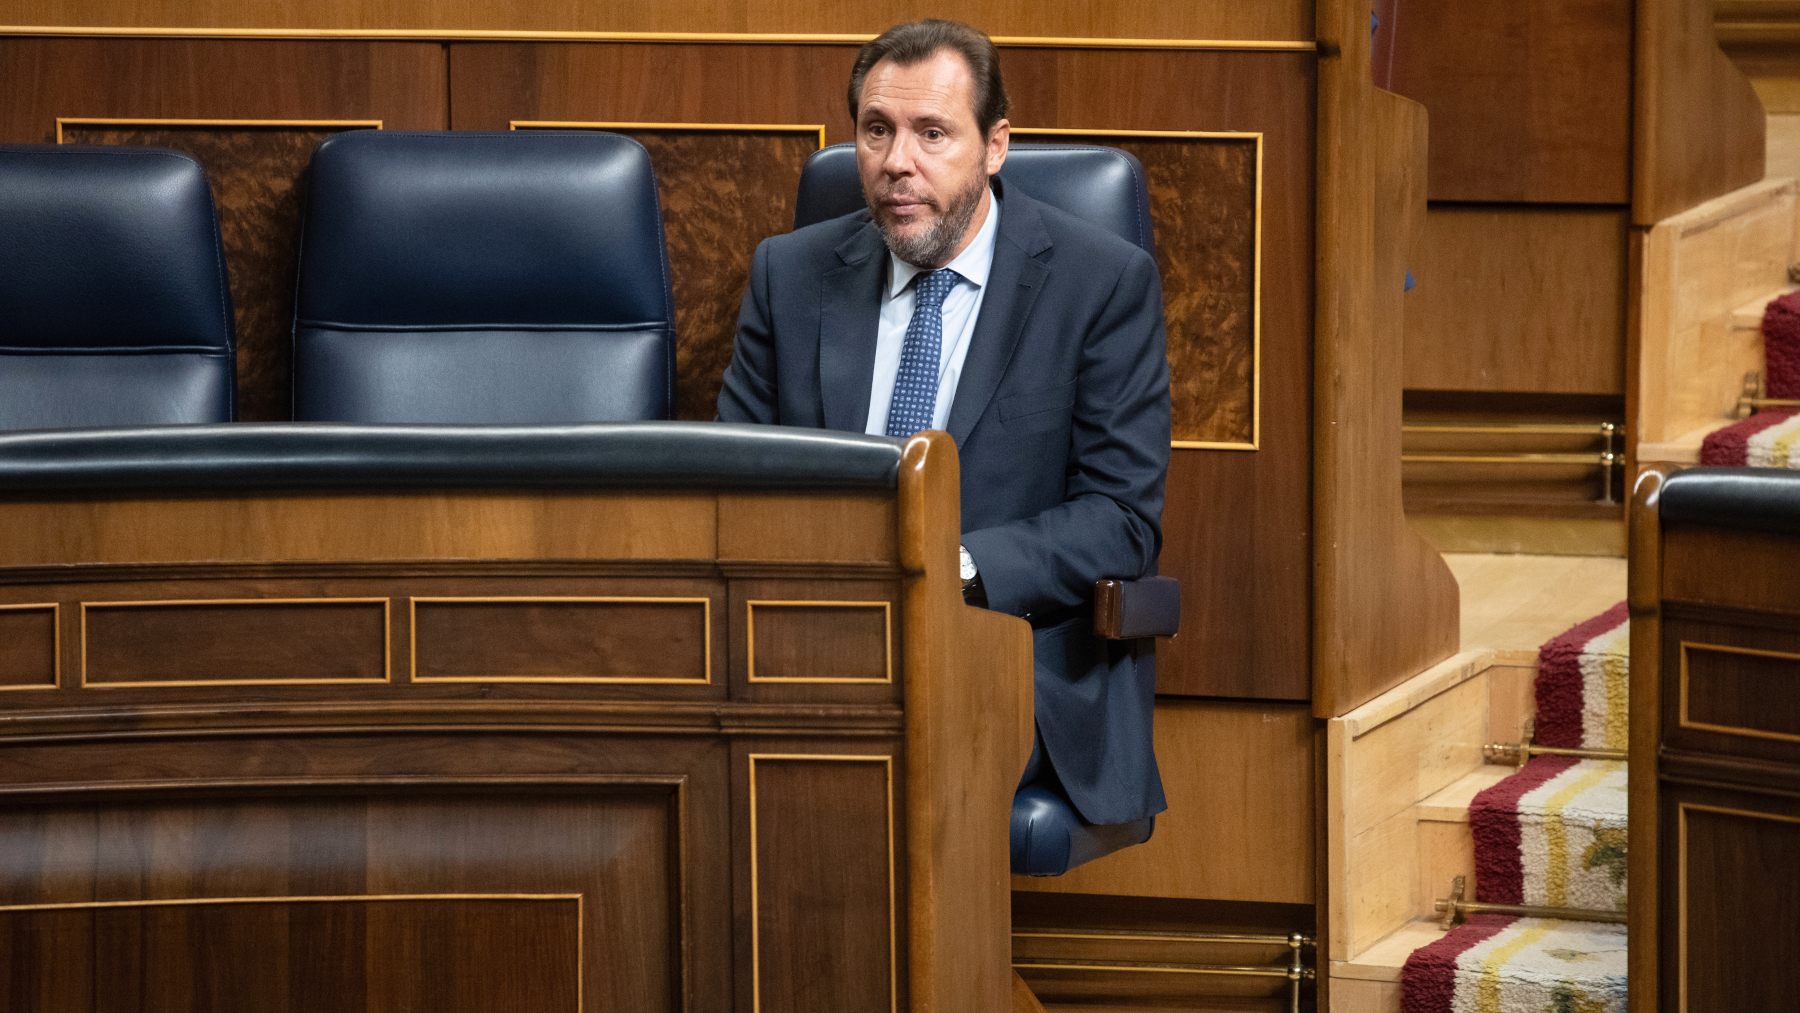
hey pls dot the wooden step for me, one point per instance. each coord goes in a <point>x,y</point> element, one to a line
<point>1750,314</point>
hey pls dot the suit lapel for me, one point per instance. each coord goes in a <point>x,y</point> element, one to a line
<point>1013,286</point>
<point>849,317</point>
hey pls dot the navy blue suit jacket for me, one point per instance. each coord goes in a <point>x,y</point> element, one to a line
<point>1061,421</point>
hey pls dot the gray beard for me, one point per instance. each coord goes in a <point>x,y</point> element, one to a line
<point>933,247</point>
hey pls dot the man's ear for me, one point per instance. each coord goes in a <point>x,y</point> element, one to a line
<point>998,139</point>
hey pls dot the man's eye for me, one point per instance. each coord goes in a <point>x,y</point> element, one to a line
<point>934,134</point>
<point>875,130</point>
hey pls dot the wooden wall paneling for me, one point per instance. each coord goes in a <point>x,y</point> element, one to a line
<point>1697,125</point>
<point>261,107</point>
<point>1214,496</point>
<point>1693,271</point>
<point>335,527</point>
<point>817,641</point>
<point>1528,300</point>
<point>1209,751</point>
<point>820,847</point>
<point>30,646</point>
<point>213,634</point>
<point>469,884</point>
<point>268,640</point>
<point>1384,603</point>
<point>1731,904</point>
<point>1286,20</point>
<point>1562,133</point>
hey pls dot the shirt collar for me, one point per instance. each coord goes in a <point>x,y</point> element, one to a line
<point>972,264</point>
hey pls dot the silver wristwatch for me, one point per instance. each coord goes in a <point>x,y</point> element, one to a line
<point>968,569</point>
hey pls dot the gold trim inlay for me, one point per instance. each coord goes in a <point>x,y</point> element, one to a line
<point>387,643</point>
<point>111,121</point>
<point>815,130</point>
<point>728,38</point>
<point>55,610</point>
<point>887,641</point>
<point>705,604</point>
<point>1256,285</point>
<point>1681,879</point>
<point>1737,730</point>
<point>887,763</point>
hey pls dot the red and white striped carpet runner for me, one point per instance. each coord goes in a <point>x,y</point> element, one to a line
<point>1552,834</point>
<point>1768,438</point>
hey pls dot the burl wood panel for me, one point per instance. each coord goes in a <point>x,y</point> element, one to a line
<point>255,173</point>
<point>721,191</point>
<point>1205,209</point>
<point>28,645</point>
<point>1519,299</point>
<point>1216,19</point>
<point>570,639</point>
<point>1733,910</point>
<point>1529,101</point>
<point>296,956</point>
<point>234,641</point>
<point>822,828</point>
<point>609,935</point>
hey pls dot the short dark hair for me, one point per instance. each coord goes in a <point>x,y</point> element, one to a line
<point>917,41</point>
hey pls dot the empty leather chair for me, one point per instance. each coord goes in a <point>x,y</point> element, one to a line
<point>1104,186</point>
<point>114,309</point>
<point>483,278</point>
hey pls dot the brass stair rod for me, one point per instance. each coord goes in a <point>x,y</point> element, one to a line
<point>1295,971</point>
<point>1604,458</point>
<point>1514,428</point>
<point>1516,753</point>
<point>1452,907</point>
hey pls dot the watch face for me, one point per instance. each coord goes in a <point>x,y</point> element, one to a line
<point>968,565</point>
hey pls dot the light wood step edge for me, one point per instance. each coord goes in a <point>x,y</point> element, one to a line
<point>1749,316</point>
<point>1382,961</point>
<point>1451,803</point>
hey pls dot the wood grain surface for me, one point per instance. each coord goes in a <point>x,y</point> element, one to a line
<point>1562,134</point>
<point>1518,299</point>
<point>1215,19</point>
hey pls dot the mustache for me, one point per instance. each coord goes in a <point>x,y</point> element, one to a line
<point>900,195</point>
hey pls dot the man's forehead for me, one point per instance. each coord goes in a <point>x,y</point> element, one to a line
<point>941,79</point>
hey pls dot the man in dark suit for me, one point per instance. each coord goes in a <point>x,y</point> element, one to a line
<point>1035,339</point>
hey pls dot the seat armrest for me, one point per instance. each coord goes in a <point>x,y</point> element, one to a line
<point>1130,609</point>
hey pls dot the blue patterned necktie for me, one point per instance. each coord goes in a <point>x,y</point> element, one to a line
<point>916,382</point>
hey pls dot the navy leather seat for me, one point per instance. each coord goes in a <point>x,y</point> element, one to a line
<point>483,278</point>
<point>114,309</point>
<point>1106,187</point>
<point>1101,185</point>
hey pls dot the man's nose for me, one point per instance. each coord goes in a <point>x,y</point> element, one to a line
<point>899,160</point>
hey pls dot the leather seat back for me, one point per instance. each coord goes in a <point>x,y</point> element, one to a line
<point>114,309</point>
<point>1101,185</point>
<point>483,278</point>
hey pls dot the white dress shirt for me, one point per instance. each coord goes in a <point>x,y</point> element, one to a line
<point>961,307</point>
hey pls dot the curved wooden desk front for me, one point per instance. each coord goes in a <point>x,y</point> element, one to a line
<point>693,746</point>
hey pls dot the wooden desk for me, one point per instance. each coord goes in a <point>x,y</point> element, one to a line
<point>711,746</point>
<point>1715,748</point>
